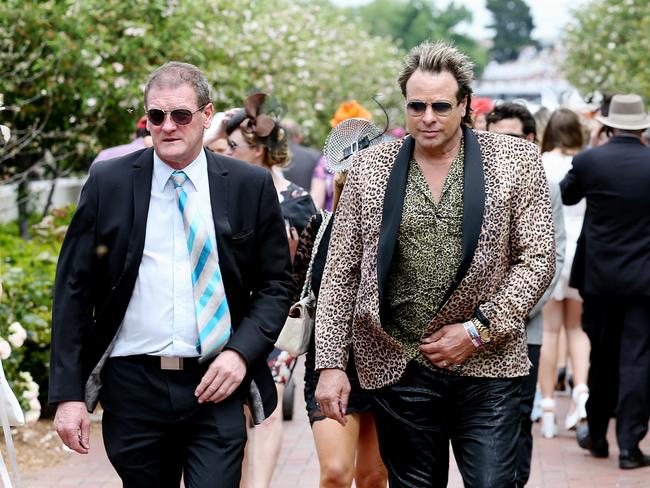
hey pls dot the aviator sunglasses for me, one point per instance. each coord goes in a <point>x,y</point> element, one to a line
<point>416,108</point>
<point>180,116</point>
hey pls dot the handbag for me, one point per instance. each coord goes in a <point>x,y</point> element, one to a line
<point>11,415</point>
<point>299,326</point>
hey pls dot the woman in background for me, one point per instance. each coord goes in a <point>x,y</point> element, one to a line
<point>562,139</point>
<point>344,453</point>
<point>351,452</point>
<point>257,138</point>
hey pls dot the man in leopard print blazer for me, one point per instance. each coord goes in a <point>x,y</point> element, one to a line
<point>442,244</point>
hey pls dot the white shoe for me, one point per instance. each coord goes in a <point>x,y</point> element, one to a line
<point>549,427</point>
<point>536,412</point>
<point>580,396</point>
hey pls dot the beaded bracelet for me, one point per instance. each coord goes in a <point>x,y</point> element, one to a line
<point>473,334</point>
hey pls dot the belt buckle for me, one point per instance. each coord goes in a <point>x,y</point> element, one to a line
<point>174,363</point>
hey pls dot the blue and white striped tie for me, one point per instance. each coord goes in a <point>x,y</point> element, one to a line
<point>212,313</point>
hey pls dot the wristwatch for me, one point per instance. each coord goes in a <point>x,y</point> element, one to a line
<point>483,330</point>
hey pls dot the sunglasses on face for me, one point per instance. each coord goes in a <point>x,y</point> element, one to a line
<point>417,108</point>
<point>180,116</point>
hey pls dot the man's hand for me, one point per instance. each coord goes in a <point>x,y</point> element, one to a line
<point>332,394</point>
<point>222,378</point>
<point>72,423</point>
<point>448,346</point>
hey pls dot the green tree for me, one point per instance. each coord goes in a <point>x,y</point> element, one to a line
<point>72,73</point>
<point>607,48</point>
<point>513,24</point>
<point>410,22</point>
<point>70,70</point>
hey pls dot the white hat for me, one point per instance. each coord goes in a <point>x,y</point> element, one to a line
<point>626,112</point>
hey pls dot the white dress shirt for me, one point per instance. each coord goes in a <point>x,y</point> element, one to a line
<point>161,319</point>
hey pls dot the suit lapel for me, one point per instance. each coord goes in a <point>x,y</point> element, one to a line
<point>392,214</point>
<point>218,182</point>
<point>473,206</point>
<point>142,175</point>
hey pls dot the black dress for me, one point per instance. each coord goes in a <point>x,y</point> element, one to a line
<point>359,400</point>
<point>297,208</point>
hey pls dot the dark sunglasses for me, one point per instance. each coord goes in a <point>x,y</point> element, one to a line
<point>180,116</point>
<point>417,108</point>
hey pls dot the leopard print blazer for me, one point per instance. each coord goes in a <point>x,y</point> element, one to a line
<point>508,265</point>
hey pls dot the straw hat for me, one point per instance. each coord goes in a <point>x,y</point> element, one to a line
<point>626,112</point>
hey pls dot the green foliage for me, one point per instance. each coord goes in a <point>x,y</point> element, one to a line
<point>27,274</point>
<point>72,72</point>
<point>309,56</point>
<point>607,47</point>
<point>513,25</point>
<point>409,22</point>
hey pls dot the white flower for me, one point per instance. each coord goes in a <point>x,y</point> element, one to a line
<point>91,102</point>
<point>16,340</point>
<point>28,394</point>
<point>97,60</point>
<point>26,376</point>
<point>34,404</point>
<point>32,416</point>
<point>5,349</point>
<point>120,82</point>
<point>135,31</point>
<point>118,67</point>
<point>6,133</point>
<point>16,328</point>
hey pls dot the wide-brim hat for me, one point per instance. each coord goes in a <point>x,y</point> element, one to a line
<point>626,112</point>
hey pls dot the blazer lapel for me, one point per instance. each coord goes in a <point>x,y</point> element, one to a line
<point>392,215</point>
<point>142,175</point>
<point>218,182</point>
<point>473,206</point>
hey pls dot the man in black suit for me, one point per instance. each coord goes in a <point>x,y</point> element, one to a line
<point>303,159</point>
<point>127,324</point>
<point>611,269</point>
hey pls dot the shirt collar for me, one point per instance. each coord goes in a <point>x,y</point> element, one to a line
<point>196,171</point>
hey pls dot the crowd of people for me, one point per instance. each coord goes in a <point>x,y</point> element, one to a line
<point>444,266</point>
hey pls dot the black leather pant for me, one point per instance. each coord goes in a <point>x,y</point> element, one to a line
<point>418,417</point>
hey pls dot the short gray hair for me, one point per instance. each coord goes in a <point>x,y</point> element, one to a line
<point>436,58</point>
<point>174,74</point>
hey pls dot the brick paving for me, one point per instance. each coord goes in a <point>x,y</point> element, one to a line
<point>557,463</point>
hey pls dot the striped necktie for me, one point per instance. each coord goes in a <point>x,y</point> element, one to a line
<point>212,313</point>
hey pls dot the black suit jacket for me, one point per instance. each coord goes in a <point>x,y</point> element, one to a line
<point>303,162</point>
<point>613,252</point>
<point>103,247</point>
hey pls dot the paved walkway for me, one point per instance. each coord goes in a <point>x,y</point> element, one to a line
<point>557,463</point>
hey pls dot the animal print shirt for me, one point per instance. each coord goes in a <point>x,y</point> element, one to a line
<point>427,255</point>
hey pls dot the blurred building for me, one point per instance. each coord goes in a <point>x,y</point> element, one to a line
<point>534,78</point>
